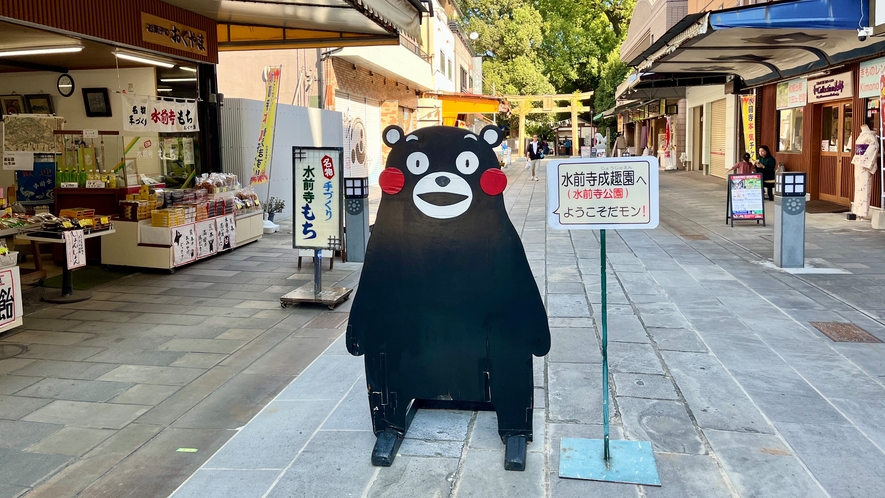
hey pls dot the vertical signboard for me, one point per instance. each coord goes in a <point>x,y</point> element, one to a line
<point>318,185</point>
<point>613,192</point>
<point>10,296</point>
<point>266,131</point>
<point>748,111</point>
<point>745,198</point>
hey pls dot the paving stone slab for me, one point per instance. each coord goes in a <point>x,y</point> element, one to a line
<point>626,357</point>
<point>75,390</point>
<point>644,386</point>
<point>136,357</point>
<point>61,369</point>
<point>574,345</point>
<point>762,465</point>
<point>290,356</point>
<point>353,412</point>
<point>55,352</point>
<point>16,407</point>
<point>677,340</point>
<point>71,441</point>
<point>143,374</point>
<point>22,469</point>
<point>201,345</point>
<point>227,484</point>
<point>17,434</point>
<point>329,377</point>
<point>92,415</point>
<point>574,392</point>
<point>199,360</point>
<point>10,384</point>
<point>145,394</point>
<point>440,425</point>
<point>240,334</point>
<point>412,476</point>
<point>567,305</point>
<point>50,324</point>
<point>622,328</point>
<point>169,319</point>
<point>715,397</point>
<point>688,476</point>
<point>235,403</point>
<point>275,436</point>
<point>187,397</point>
<point>664,423</point>
<point>483,475</point>
<point>46,337</point>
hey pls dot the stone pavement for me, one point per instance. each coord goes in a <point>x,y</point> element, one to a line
<point>713,359</point>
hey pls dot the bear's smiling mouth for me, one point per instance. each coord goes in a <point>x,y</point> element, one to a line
<point>442,198</point>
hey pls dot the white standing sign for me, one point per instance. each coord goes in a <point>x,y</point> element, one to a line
<point>207,238</point>
<point>318,200</point>
<point>10,296</point>
<point>226,231</point>
<point>75,249</point>
<point>605,193</point>
<point>184,244</point>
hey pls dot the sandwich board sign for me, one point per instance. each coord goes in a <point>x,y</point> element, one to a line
<point>618,193</point>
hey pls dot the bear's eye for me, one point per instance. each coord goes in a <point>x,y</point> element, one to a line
<point>417,163</point>
<point>467,162</point>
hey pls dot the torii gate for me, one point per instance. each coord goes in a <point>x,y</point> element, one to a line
<point>522,105</point>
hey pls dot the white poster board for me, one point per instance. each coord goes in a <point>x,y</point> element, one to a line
<point>226,231</point>
<point>75,249</point>
<point>184,244</point>
<point>207,238</point>
<point>603,193</point>
<point>10,296</point>
<point>318,202</point>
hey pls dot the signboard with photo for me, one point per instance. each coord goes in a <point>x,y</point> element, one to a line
<point>745,198</point>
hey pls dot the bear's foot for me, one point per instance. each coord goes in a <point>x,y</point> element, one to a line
<point>387,445</point>
<point>514,453</point>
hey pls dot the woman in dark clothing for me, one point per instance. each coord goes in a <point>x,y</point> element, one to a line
<point>766,165</point>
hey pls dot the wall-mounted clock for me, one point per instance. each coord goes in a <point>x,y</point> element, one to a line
<point>65,85</point>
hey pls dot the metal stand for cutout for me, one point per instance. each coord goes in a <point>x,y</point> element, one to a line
<point>602,460</point>
<point>314,292</point>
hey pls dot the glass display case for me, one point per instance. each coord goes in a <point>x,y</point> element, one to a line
<point>179,155</point>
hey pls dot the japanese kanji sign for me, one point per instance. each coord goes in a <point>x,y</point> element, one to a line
<point>207,238</point>
<point>75,249</point>
<point>10,295</point>
<point>226,231</point>
<point>184,244</point>
<point>144,113</point>
<point>268,122</point>
<point>173,35</point>
<point>614,192</point>
<point>318,199</point>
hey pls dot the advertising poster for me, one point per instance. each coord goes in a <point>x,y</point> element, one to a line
<point>616,193</point>
<point>748,111</point>
<point>142,113</point>
<point>266,131</point>
<point>318,200</point>
<point>226,231</point>
<point>184,244</point>
<point>745,194</point>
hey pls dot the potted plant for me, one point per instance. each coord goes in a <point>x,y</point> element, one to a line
<point>274,205</point>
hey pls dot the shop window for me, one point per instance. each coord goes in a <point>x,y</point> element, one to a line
<point>847,142</point>
<point>442,62</point>
<point>790,130</point>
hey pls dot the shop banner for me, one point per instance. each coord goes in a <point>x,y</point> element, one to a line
<point>207,238</point>
<point>184,244</point>
<point>833,87</point>
<point>226,231</point>
<point>268,122</point>
<point>142,113</point>
<point>869,78</point>
<point>791,94</point>
<point>318,200</point>
<point>10,296</point>
<point>748,111</point>
<point>75,249</point>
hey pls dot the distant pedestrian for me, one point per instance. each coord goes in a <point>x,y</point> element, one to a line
<point>767,166</point>
<point>533,154</point>
<point>568,146</point>
<point>743,167</point>
<point>505,154</point>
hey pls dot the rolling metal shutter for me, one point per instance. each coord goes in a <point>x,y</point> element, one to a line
<point>717,139</point>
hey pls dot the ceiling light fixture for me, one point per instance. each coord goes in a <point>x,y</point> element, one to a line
<point>188,69</point>
<point>40,50</point>
<point>164,89</point>
<point>143,59</point>
<point>176,80</point>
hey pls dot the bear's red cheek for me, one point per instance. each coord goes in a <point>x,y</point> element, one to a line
<point>493,181</point>
<point>391,181</point>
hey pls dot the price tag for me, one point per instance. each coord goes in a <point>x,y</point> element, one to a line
<point>86,222</point>
<point>257,203</point>
<point>67,224</point>
<point>94,184</point>
<point>105,220</point>
<point>8,210</point>
<point>90,133</point>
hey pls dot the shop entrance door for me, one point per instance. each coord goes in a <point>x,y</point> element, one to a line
<point>836,175</point>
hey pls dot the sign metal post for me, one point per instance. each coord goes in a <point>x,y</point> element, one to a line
<point>599,194</point>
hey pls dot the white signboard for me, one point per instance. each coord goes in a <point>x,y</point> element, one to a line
<point>75,249</point>
<point>207,238</point>
<point>10,296</point>
<point>793,93</point>
<point>603,193</point>
<point>226,231</point>
<point>184,244</point>
<point>318,199</point>
<point>833,87</point>
<point>150,114</point>
<point>869,78</point>
<point>19,161</point>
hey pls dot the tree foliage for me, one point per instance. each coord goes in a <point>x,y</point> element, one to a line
<point>550,46</point>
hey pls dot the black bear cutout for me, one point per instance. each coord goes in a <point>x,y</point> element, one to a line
<point>447,311</point>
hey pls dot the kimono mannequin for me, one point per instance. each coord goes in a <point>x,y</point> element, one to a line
<point>865,152</point>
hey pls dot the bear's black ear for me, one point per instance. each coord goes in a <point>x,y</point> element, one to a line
<point>492,135</point>
<point>392,134</point>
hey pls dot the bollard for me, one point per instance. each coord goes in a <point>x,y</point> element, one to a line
<point>789,220</point>
<point>356,218</point>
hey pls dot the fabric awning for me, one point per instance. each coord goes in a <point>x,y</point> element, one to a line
<point>462,103</point>
<point>763,43</point>
<point>274,24</point>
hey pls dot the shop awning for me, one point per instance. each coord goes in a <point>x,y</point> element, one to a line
<point>656,86</point>
<point>762,43</point>
<point>275,24</point>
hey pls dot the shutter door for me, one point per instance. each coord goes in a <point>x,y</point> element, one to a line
<point>373,130</point>
<point>717,139</point>
<point>361,119</point>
